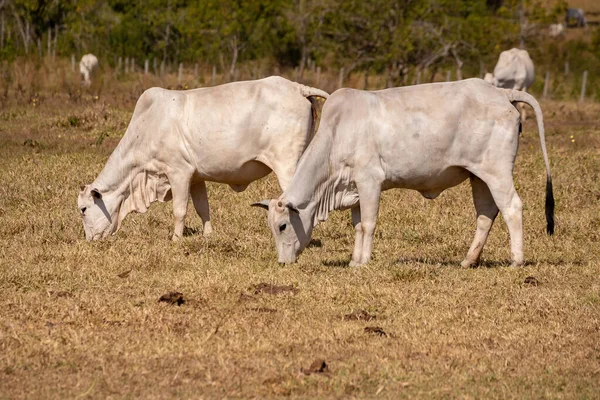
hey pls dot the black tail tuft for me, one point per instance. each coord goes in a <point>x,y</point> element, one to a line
<point>549,207</point>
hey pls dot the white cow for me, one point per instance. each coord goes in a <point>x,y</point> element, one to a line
<point>425,137</point>
<point>555,30</point>
<point>87,65</point>
<point>514,70</point>
<point>176,140</point>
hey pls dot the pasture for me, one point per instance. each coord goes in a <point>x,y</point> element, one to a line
<point>83,320</point>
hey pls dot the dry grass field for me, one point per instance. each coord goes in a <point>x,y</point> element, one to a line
<point>83,320</point>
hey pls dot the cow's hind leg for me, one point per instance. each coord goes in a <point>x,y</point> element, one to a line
<point>486,213</point>
<point>200,200</point>
<point>180,189</point>
<point>358,239</point>
<point>507,200</point>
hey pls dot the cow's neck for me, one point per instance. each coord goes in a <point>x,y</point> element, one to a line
<point>321,185</point>
<point>128,183</point>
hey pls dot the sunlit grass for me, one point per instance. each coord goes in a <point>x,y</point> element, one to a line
<point>83,319</point>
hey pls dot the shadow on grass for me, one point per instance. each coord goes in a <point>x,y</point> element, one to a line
<point>482,264</point>
<point>315,243</point>
<point>191,231</point>
<point>337,263</point>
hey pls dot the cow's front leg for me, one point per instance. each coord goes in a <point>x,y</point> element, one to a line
<point>200,200</point>
<point>358,240</point>
<point>368,193</point>
<point>180,189</point>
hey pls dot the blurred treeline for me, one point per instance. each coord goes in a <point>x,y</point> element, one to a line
<point>398,38</point>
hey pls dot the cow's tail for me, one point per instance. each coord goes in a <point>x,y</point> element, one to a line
<point>524,97</point>
<point>310,93</point>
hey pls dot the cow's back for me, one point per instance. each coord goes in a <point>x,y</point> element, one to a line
<point>221,129</point>
<point>416,133</point>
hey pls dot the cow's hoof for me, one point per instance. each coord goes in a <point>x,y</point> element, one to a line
<point>175,238</point>
<point>517,264</point>
<point>354,264</point>
<point>468,263</point>
<point>207,232</point>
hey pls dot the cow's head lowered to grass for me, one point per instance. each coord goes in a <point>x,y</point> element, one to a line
<point>98,222</point>
<point>291,228</point>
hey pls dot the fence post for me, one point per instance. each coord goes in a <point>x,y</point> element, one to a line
<point>146,66</point>
<point>162,68</point>
<point>546,84</point>
<point>296,74</point>
<point>566,68</point>
<point>583,84</point>
<point>55,42</point>
<point>180,74</point>
<point>214,75</point>
<point>49,42</point>
<point>418,76</point>
<point>448,76</point>
<point>196,74</point>
<point>126,65</point>
<point>2,32</point>
<point>341,78</point>
<point>318,76</point>
<point>72,62</point>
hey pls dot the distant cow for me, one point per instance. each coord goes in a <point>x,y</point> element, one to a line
<point>576,14</point>
<point>555,30</point>
<point>426,138</point>
<point>87,65</point>
<point>514,70</point>
<point>176,140</point>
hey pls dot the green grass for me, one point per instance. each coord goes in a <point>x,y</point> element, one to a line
<point>83,319</point>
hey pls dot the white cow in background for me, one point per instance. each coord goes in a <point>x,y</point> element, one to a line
<point>234,133</point>
<point>555,30</point>
<point>87,65</point>
<point>426,138</point>
<point>514,70</point>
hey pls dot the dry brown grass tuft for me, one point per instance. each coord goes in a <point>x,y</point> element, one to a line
<point>83,319</point>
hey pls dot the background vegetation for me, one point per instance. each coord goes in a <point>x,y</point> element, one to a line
<point>399,39</point>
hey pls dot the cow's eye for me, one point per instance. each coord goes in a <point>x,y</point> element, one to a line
<point>282,227</point>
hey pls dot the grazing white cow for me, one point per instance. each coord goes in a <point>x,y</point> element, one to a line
<point>514,70</point>
<point>87,65</point>
<point>555,30</point>
<point>176,140</point>
<point>425,137</point>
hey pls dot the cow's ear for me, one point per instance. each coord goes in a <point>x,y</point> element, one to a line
<point>291,207</point>
<point>96,194</point>
<point>262,204</point>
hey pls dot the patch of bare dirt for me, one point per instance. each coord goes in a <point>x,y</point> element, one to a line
<point>376,330</point>
<point>266,310</point>
<point>531,281</point>
<point>318,366</point>
<point>359,315</point>
<point>124,274</point>
<point>267,288</point>
<point>172,298</point>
